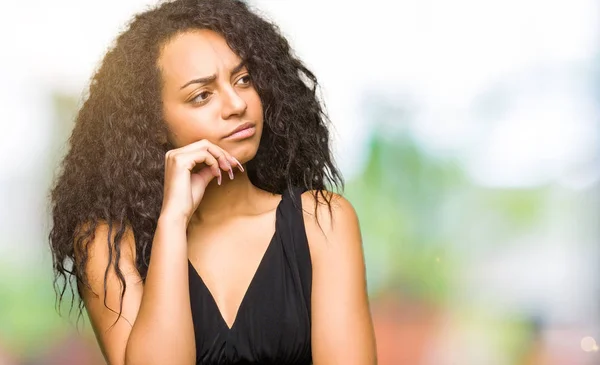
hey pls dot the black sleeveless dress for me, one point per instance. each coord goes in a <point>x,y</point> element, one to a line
<point>273,322</point>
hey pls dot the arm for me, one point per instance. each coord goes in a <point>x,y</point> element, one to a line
<point>157,327</point>
<point>342,329</point>
<point>156,323</point>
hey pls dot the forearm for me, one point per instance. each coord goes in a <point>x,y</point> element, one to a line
<point>163,331</point>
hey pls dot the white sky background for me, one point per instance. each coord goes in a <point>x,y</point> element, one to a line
<point>442,54</point>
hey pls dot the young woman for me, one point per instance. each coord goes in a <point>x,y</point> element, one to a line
<point>192,208</point>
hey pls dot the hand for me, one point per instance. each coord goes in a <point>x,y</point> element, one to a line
<point>188,170</point>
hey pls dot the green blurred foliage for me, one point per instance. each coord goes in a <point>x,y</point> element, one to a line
<point>398,199</point>
<point>27,309</point>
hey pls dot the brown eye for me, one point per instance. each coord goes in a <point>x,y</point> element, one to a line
<point>247,78</point>
<point>200,98</point>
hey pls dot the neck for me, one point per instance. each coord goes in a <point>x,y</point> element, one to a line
<point>230,199</point>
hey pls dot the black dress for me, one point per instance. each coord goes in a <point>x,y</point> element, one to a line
<point>272,325</point>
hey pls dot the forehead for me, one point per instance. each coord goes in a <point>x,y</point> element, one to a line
<point>195,53</point>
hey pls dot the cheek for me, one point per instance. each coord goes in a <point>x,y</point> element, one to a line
<point>189,125</point>
<point>255,112</point>
<point>257,103</point>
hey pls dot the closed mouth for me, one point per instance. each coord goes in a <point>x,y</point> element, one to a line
<point>242,127</point>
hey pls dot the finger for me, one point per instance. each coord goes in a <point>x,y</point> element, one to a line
<point>204,176</point>
<point>199,144</point>
<point>223,157</point>
<point>229,158</point>
<point>234,161</point>
<point>203,157</point>
<point>239,165</point>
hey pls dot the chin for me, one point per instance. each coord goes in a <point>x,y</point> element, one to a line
<point>244,151</point>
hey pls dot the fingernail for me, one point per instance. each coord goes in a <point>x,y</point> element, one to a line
<point>239,164</point>
<point>219,178</point>
<point>230,174</point>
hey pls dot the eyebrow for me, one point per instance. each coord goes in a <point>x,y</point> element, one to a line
<point>211,78</point>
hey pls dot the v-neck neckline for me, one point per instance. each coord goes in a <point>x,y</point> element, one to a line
<point>250,284</point>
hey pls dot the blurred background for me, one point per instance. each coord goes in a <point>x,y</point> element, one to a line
<point>468,133</point>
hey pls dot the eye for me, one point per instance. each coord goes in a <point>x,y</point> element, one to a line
<point>200,98</point>
<point>247,78</point>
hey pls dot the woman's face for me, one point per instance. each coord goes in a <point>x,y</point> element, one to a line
<point>207,93</point>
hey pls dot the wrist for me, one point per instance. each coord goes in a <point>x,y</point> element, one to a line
<point>177,220</point>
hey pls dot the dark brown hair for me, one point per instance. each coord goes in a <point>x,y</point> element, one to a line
<point>113,172</point>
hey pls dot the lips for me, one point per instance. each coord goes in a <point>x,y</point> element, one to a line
<point>240,128</point>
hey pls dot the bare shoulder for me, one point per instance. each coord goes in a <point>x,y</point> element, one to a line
<point>111,309</point>
<point>342,330</point>
<point>330,224</point>
<point>99,250</point>
<point>99,243</point>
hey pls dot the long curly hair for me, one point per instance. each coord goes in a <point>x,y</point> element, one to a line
<point>113,172</point>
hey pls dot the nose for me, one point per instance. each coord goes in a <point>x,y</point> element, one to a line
<point>233,104</point>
